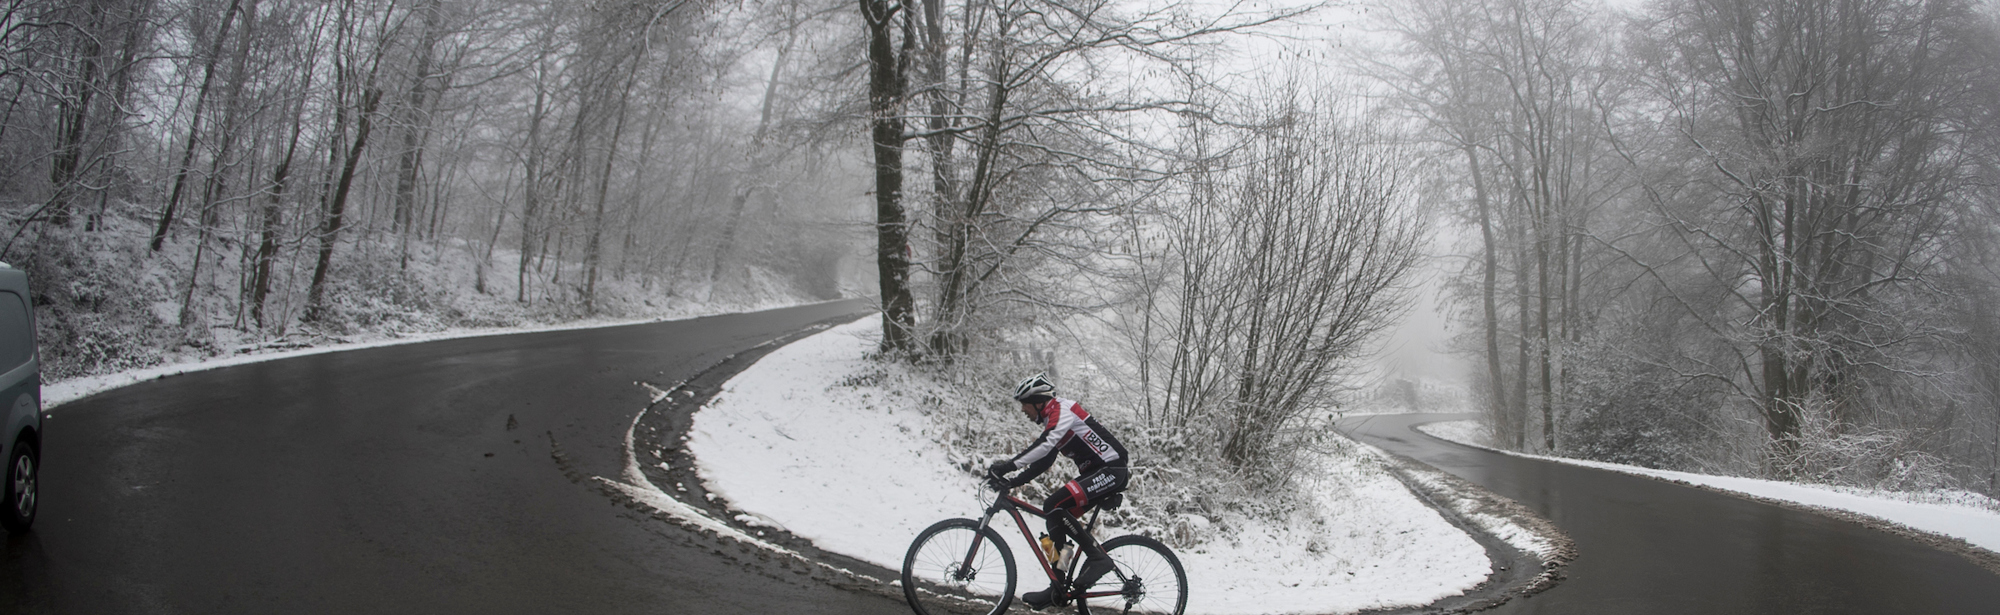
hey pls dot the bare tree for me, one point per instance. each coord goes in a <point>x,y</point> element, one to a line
<point>226,143</point>
<point>1836,164</point>
<point>414,115</point>
<point>1048,147</point>
<point>357,68</point>
<point>69,69</point>
<point>890,44</point>
<point>1514,89</point>
<point>763,155</point>
<point>1287,270</point>
<point>209,62</point>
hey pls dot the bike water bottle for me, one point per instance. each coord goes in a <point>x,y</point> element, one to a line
<point>1049,548</point>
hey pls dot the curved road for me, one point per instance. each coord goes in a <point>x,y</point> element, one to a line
<point>418,479</point>
<point>1646,546</point>
<point>403,479</point>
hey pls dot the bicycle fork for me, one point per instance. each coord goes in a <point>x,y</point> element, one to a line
<point>978,536</point>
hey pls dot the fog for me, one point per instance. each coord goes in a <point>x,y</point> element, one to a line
<point>1740,235</point>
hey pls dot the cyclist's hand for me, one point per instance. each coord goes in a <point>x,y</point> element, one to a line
<point>996,475</point>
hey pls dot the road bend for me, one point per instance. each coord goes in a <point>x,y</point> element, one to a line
<point>404,479</point>
<point>1647,546</point>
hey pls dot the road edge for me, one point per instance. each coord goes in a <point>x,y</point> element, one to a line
<point>1521,569</point>
<point>657,458</point>
<point>1979,556</point>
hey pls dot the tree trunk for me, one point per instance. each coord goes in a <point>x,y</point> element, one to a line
<point>886,80</point>
<point>951,313</point>
<point>647,140</point>
<point>1494,371</point>
<point>71,129</point>
<point>944,184</point>
<point>337,203</point>
<point>593,254</point>
<point>1524,316</point>
<point>416,127</point>
<point>1547,345</point>
<point>531,193</point>
<point>214,185</point>
<point>273,211</point>
<point>194,128</point>
<point>137,33</point>
<point>759,163</point>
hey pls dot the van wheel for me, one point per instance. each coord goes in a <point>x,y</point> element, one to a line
<point>19,487</point>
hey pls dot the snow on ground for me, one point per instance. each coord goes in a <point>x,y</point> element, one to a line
<point>1974,519</point>
<point>109,312</point>
<point>1473,433</point>
<point>61,392</point>
<point>808,441</point>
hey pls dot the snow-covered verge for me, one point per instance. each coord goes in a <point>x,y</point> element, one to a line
<point>820,441</point>
<point>110,312</point>
<point>1966,516</point>
<point>57,393</point>
<point>107,305</point>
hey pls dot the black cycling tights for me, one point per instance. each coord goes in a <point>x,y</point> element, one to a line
<point>1076,496</point>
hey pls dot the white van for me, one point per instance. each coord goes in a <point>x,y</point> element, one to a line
<point>21,394</point>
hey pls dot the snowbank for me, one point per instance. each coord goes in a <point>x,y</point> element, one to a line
<point>64,391</point>
<point>1972,523</point>
<point>808,441</point>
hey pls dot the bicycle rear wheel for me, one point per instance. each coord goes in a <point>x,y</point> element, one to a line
<point>945,573</point>
<point>1147,576</point>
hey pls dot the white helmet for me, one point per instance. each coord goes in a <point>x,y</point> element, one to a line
<point>1035,386</point>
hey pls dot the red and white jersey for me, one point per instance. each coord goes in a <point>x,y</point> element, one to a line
<point>1069,430</point>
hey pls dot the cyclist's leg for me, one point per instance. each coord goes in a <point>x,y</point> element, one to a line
<point>1068,504</point>
<point>1063,505</point>
<point>1058,504</point>
<point>1094,487</point>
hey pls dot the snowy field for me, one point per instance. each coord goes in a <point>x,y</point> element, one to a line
<point>1972,518</point>
<point>810,440</point>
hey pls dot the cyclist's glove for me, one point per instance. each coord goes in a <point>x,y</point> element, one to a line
<point>996,475</point>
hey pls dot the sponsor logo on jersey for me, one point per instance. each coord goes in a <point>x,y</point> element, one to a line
<point>1096,443</point>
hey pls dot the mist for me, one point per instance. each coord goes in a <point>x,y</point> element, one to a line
<point>1747,236</point>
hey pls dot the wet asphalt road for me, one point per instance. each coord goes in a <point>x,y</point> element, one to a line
<point>392,480</point>
<point>1646,546</point>
<point>405,479</point>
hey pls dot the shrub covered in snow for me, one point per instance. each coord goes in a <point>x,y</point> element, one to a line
<point>1626,411</point>
<point>1183,491</point>
<point>101,304</point>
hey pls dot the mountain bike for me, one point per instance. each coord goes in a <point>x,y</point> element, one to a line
<point>963,566</point>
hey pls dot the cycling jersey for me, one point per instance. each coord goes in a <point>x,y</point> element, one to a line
<point>1069,430</point>
<point>1100,465</point>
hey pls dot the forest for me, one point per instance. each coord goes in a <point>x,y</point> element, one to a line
<point>188,178</point>
<point>1750,237</point>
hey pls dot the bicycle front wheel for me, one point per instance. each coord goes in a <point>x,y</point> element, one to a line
<point>1147,576</point>
<point>954,567</point>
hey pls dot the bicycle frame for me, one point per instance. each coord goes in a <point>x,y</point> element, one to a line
<point>1014,506</point>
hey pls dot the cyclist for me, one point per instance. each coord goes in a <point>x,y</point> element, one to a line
<point>1101,467</point>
